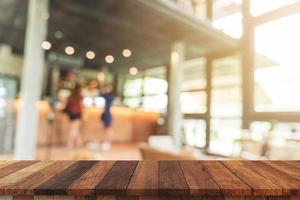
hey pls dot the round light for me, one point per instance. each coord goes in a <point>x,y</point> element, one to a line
<point>126,53</point>
<point>58,34</point>
<point>90,55</point>
<point>133,70</point>
<point>109,59</point>
<point>69,50</point>
<point>46,45</point>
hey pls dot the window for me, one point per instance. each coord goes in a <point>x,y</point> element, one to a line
<point>277,61</point>
<point>194,7</point>
<point>193,95</point>
<point>8,91</point>
<point>226,104</point>
<point>194,132</point>
<point>227,16</point>
<point>259,7</point>
<point>148,92</point>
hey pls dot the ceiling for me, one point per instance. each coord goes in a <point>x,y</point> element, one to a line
<point>147,28</point>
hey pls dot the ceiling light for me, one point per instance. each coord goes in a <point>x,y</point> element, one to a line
<point>58,34</point>
<point>69,50</point>
<point>109,59</point>
<point>133,70</point>
<point>90,55</point>
<point>46,45</point>
<point>126,53</point>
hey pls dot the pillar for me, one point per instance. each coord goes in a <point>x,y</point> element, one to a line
<point>208,100</point>
<point>31,81</point>
<point>247,66</point>
<point>175,72</point>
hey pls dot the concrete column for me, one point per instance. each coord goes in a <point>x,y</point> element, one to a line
<point>247,66</point>
<point>175,73</point>
<point>208,100</point>
<point>32,79</point>
<point>54,81</point>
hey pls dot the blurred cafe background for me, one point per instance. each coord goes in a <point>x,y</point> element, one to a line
<point>153,79</point>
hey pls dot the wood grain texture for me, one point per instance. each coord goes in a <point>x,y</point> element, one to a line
<point>6,197</point>
<point>293,163</point>
<point>259,184</point>
<point>41,197</point>
<point>115,182</point>
<point>9,169</point>
<point>85,184</point>
<point>17,176</point>
<point>58,184</point>
<point>23,198</point>
<point>145,179</point>
<point>292,171</point>
<point>27,186</point>
<point>105,198</point>
<point>290,185</point>
<point>229,184</point>
<point>171,179</point>
<point>198,179</point>
<point>5,163</point>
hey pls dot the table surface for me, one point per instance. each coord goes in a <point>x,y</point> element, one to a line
<point>141,178</point>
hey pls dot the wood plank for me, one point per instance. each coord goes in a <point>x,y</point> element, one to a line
<point>293,163</point>
<point>286,168</point>
<point>58,197</point>
<point>229,184</point>
<point>198,179</point>
<point>290,186</point>
<point>6,197</point>
<point>259,184</point>
<point>17,176</point>
<point>23,197</point>
<point>85,184</point>
<point>27,186</point>
<point>171,179</point>
<point>145,179</point>
<point>41,197</point>
<point>115,182</point>
<point>5,163</point>
<point>58,184</point>
<point>9,169</point>
<point>105,198</point>
<point>127,198</point>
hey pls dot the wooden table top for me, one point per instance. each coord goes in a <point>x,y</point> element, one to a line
<point>141,178</point>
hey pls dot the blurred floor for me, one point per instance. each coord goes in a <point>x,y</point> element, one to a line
<point>118,151</point>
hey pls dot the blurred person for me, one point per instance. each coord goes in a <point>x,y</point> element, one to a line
<point>106,117</point>
<point>74,109</point>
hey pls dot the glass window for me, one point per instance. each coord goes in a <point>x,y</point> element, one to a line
<point>134,102</point>
<point>194,75</point>
<point>227,16</point>
<point>155,103</point>
<point>226,108</point>
<point>148,92</point>
<point>193,102</point>
<point>227,102</point>
<point>277,61</point>
<point>194,132</point>
<point>223,133</point>
<point>155,86</point>
<point>259,7</point>
<point>193,95</point>
<point>133,87</point>
<point>194,7</point>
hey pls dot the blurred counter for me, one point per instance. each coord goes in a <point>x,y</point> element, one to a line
<point>129,125</point>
